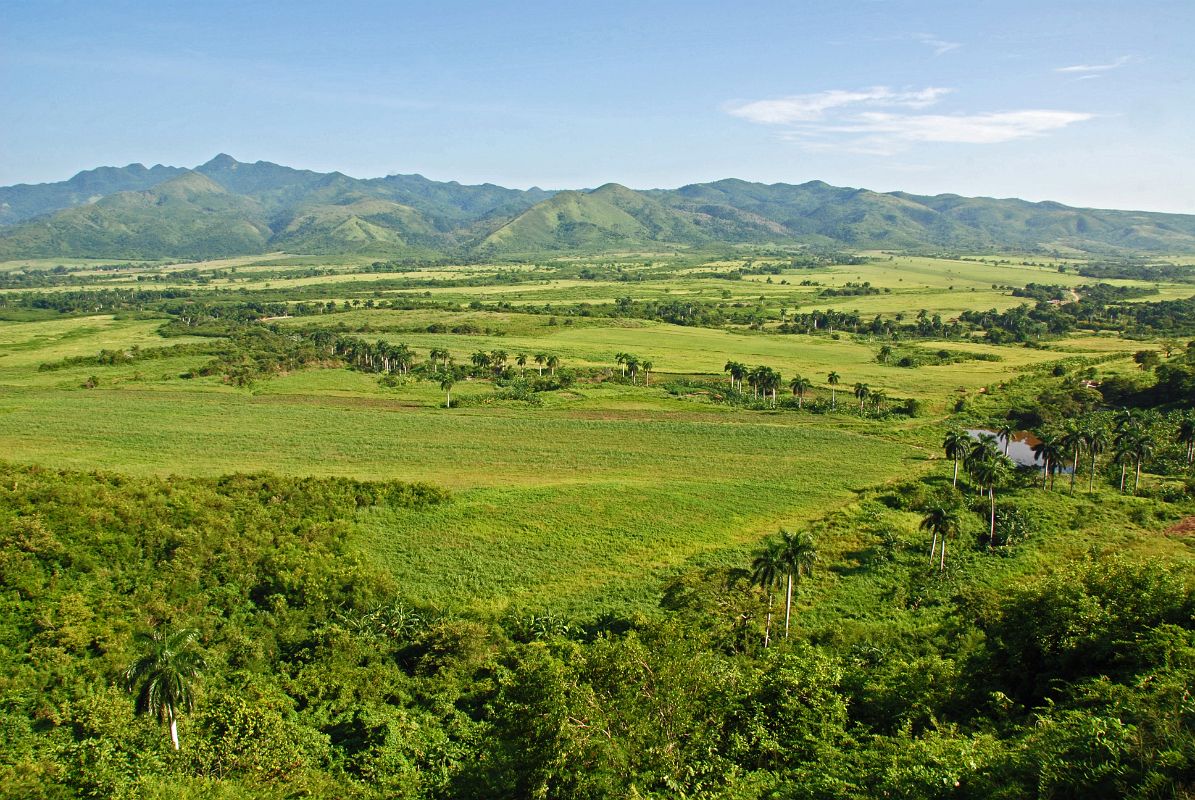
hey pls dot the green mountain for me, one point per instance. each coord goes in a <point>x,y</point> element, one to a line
<point>226,207</point>
<point>25,201</point>
<point>189,216</point>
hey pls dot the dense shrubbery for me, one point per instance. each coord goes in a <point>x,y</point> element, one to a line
<point>321,680</point>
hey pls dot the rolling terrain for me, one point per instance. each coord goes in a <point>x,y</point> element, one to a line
<point>225,207</point>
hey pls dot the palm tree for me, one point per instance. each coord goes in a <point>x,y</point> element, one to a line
<point>553,363</point>
<point>632,367</point>
<point>1005,433</point>
<point>446,384</point>
<point>862,392</point>
<point>480,360</point>
<point>162,677</point>
<point>647,368</point>
<point>942,521</point>
<point>498,361</point>
<point>767,569</point>
<point>833,379</point>
<point>1186,435</point>
<point>1073,439</point>
<point>621,360</point>
<point>990,474</point>
<point>800,386</point>
<point>736,373</point>
<point>540,360</point>
<point>885,354</point>
<point>769,381</point>
<point>1096,440</point>
<point>956,444</point>
<point>1143,448</point>
<point>798,553</point>
<point>1122,455</point>
<point>1049,450</point>
<point>521,360</point>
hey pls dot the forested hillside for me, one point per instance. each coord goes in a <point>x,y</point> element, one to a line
<point>243,208</point>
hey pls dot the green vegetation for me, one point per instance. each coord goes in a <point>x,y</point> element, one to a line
<point>293,526</point>
<point>225,208</point>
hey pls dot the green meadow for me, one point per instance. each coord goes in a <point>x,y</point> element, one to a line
<point>584,500</point>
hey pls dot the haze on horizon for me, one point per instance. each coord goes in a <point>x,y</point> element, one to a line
<point>1087,103</point>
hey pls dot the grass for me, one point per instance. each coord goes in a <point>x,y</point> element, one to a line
<point>583,502</point>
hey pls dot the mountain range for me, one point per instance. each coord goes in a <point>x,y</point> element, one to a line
<point>225,207</point>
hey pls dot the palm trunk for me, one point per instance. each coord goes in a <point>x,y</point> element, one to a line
<point>833,399</point>
<point>1045,472</point>
<point>953,483</point>
<point>767,630</point>
<point>1091,477</point>
<point>1137,480</point>
<point>992,532</point>
<point>1122,471</point>
<point>942,565</point>
<point>788,605</point>
<point>933,546</point>
<point>449,399</point>
<point>1074,470</point>
<point>173,729</point>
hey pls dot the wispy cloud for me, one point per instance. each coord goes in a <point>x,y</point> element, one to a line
<point>1095,68</point>
<point>939,46</point>
<point>883,121</point>
<point>813,107</point>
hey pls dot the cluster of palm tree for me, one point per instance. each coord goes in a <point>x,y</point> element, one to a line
<point>877,398</point>
<point>379,356</point>
<point>498,361</point>
<point>631,365</point>
<point>988,469</point>
<point>1132,441</point>
<point>763,380</point>
<point>781,562</point>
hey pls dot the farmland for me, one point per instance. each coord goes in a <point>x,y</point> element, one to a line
<point>398,595</point>
<point>601,481</point>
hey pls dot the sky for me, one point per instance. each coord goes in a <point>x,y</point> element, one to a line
<point>1088,103</point>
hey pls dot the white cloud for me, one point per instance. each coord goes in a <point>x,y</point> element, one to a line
<point>883,121</point>
<point>988,128</point>
<point>1120,62</point>
<point>812,107</point>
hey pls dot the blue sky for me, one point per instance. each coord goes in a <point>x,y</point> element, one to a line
<point>1090,103</point>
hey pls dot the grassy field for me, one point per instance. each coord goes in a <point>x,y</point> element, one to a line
<point>584,501</point>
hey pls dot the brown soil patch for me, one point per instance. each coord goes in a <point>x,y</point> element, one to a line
<point>1184,528</point>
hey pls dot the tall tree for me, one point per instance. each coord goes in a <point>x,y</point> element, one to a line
<point>833,379</point>
<point>862,392</point>
<point>553,363</point>
<point>163,677</point>
<point>446,384</point>
<point>942,520</point>
<point>990,474</point>
<point>800,386</point>
<point>1095,438</point>
<point>767,571</point>
<point>1005,433</point>
<point>647,368</point>
<point>1074,438</point>
<point>956,444</point>
<point>798,554</point>
<point>1186,435</point>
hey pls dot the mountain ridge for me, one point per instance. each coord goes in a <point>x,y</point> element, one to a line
<point>226,207</point>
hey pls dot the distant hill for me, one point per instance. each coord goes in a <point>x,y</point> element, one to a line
<point>226,207</point>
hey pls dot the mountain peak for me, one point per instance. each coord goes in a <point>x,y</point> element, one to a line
<point>221,161</point>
